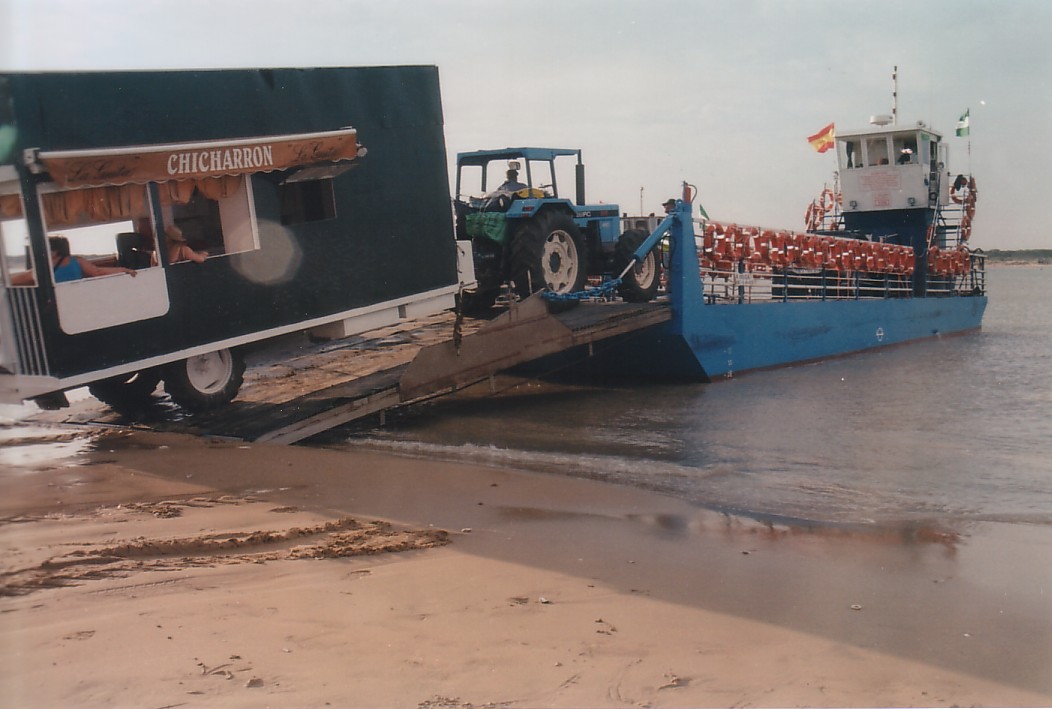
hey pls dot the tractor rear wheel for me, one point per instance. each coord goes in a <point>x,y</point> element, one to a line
<point>549,253</point>
<point>206,381</point>
<point>641,283</point>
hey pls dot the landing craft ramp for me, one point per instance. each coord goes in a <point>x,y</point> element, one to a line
<point>291,399</point>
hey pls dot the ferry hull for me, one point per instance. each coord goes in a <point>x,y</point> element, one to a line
<point>722,340</point>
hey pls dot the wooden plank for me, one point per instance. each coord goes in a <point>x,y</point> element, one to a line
<point>528,333</point>
<point>332,417</point>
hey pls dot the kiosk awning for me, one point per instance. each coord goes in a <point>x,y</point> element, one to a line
<point>191,161</point>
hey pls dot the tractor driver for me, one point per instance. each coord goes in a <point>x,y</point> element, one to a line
<point>511,184</point>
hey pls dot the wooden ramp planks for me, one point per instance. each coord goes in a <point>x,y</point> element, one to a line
<point>525,333</point>
<point>296,392</point>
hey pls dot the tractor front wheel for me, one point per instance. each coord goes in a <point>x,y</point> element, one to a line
<point>549,253</point>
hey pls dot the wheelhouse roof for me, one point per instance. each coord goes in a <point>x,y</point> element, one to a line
<point>886,130</point>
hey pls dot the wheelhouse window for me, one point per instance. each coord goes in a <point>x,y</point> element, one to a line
<point>850,154</point>
<point>216,215</point>
<point>904,148</point>
<point>877,151</point>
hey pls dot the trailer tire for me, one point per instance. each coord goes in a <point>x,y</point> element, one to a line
<point>205,381</point>
<point>641,283</point>
<point>549,252</point>
<point>127,390</point>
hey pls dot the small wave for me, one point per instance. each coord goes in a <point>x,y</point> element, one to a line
<point>648,473</point>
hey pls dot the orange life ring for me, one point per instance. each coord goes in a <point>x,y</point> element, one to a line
<point>794,247</point>
<point>815,215</point>
<point>883,258</point>
<point>937,261</point>
<point>776,254</point>
<point>832,255</point>
<point>743,243</point>
<point>894,261</point>
<point>827,201</point>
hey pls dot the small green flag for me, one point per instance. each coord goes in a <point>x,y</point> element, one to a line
<point>963,124</point>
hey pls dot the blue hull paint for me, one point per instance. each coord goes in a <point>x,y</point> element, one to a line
<point>733,338</point>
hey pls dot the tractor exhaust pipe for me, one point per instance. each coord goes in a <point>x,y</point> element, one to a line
<point>579,174</point>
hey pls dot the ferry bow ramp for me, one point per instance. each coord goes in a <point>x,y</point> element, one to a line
<point>292,399</point>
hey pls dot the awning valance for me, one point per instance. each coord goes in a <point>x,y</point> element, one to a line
<point>186,161</point>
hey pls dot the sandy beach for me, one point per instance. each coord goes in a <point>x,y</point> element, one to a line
<point>161,570</point>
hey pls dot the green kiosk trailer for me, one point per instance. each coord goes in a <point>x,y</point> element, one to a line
<point>264,171</point>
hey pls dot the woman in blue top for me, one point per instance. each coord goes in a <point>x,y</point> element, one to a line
<point>71,268</point>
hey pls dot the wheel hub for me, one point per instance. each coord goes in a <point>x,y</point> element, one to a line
<point>208,373</point>
<point>646,270</point>
<point>560,262</point>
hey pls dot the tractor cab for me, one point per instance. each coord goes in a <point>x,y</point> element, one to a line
<point>485,175</point>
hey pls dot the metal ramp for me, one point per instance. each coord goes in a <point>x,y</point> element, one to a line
<point>291,395</point>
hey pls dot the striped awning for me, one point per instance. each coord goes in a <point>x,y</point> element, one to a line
<point>189,161</point>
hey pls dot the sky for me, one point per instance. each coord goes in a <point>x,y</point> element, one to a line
<point>718,94</point>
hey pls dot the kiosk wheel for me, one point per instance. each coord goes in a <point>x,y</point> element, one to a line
<point>126,390</point>
<point>205,381</point>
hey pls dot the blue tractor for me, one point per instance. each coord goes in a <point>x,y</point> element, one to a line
<point>524,232</point>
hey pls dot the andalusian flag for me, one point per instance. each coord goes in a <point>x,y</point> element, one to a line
<point>823,140</point>
<point>963,124</point>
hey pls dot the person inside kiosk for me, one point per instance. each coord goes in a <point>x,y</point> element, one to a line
<point>67,267</point>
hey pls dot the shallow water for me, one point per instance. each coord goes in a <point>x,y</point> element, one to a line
<point>953,429</point>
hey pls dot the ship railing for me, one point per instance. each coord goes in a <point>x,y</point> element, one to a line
<point>730,284</point>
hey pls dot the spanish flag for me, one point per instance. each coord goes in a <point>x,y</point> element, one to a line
<point>823,140</point>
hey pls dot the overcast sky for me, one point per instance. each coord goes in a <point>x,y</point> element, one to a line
<point>721,94</point>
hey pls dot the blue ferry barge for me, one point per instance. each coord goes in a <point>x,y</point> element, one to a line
<point>885,260</point>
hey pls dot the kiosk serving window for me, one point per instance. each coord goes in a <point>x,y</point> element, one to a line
<point>307,201</point>
<point>108,226</point>
<point>216,215</point>
<point>105,227</point>
<point>16,257</point>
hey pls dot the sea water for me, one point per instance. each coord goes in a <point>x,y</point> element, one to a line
<point>949,429</point>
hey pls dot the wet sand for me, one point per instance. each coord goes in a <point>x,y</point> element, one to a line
<point>158,570</point>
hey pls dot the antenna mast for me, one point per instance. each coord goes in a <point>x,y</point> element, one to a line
<point>895,96</point>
